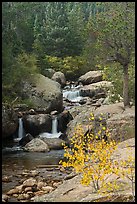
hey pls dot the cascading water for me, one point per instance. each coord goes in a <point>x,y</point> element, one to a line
<point>73,96</point>
<point>54,126</point>
<point>54,132</point>
<point>20,130</point>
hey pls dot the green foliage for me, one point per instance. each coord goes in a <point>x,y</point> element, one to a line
<point>28,102</point>
<point>73,36</point>
<point>26,64</point>
<point>132,80</point>
<point>23,67</point>
<point>114,73</point>
<point>72,67</point>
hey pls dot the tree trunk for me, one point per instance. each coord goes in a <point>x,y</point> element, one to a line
<point>125,86</point>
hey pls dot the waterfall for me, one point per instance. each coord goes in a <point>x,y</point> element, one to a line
<point>54,132</point>
<point>20,130</point>
<point>54,126</point>
<point>73,96</point>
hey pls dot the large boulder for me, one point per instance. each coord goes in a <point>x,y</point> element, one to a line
<point>60,78</point>
<point>121,123</point>
<point>63,119</point>
<point>80,118</point>
<point>49,73</point>
<point>24,140</point>
<point>9,122</point>
<point>35,124</point>
<point>54,143</point>
<point>42,93</point>
<point>97,90</point>
<point>36,145</point>
<point>90,77</point>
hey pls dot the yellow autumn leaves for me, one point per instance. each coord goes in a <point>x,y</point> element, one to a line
<point>91,155</point>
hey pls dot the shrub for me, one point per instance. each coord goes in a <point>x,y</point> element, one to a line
<point>26,64</point>
<point>114,74</point>
<point>92,158</point>
<point>23,67</point>
<point>70,66</point>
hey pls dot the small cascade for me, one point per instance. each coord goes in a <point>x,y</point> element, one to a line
<point>54,126</point>
<point>72,95</point>
<point>20,130</point>
<point>54,132</point>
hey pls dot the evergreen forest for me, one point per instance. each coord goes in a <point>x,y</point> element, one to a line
<point>71,37</point>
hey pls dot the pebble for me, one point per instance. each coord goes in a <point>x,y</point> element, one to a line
<point>5,197</point>
<point>15,195</point>
<point>13,191</point>
<point>40,184</point>
<point>6,179</point>
<point>29,182</point>
<point>34,173</point>
<point>28,189</point>
<point>47,189</point>
<point>56,184</point>
<point>39,193</point>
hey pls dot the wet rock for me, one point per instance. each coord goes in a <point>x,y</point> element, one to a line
<point>9,121</point>
<point>36,145</point>
<point>35,124</point>
<point>54,143</point>
<point>63,119</point>
<point>54,112</point>
<point>26,139</point>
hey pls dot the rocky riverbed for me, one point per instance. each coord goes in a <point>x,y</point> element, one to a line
<point>25,175</point>
<point>40,180</point>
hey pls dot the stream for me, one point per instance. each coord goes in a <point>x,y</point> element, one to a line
<point>15,161</point>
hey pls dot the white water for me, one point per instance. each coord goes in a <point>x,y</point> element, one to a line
<point>54,126</point>
<point>54,133</point>
<point>73,96</point>
<point>20,131</point>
